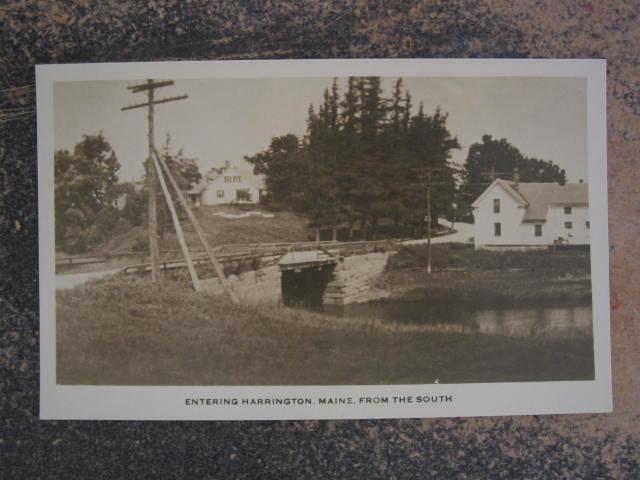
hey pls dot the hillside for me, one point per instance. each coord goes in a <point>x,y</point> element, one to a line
<point>281,227</point>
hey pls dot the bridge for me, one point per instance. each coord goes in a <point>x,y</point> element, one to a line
<point>308,273</point>
<point>316,273</point>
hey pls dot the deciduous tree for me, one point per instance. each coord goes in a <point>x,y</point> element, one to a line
<point>83,183</point>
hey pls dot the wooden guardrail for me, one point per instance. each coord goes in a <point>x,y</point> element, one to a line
<point>257,248</point>
<point>267,252</point>
<point>196,259</point>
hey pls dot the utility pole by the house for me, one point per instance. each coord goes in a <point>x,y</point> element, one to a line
<point>152,179</point>
<point>426,174</point>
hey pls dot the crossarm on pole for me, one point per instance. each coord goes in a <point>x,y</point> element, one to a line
<point>155,102</point>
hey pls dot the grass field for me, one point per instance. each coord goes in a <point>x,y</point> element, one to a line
<point>464,275</point>
<point>464,257</point>
<point>125,331</point>
<point>283,227</point>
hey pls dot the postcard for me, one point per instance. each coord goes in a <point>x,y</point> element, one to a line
<point>323,239</point>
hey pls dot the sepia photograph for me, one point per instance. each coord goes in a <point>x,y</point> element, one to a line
<point>322,230</point>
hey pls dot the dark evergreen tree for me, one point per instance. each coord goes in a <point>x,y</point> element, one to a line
<point>429,146</point>
<point>396,153</point>
<point>371,188</point>
<point>318,155</point>
<point>348,145</point>
<point>357,163</point>
<point>283,166</point>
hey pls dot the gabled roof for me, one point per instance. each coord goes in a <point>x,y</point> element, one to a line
<point>256,180</point>
<point>541,195</point>
<point>537,196</point>
<point>507,186</point>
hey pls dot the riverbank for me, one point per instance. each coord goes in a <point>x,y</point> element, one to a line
<point>484,278</point>
<point>125,331</point>
<point>485,288</point>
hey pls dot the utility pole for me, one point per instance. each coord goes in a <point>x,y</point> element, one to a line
<point>152,176</point>
<point>426,174</point>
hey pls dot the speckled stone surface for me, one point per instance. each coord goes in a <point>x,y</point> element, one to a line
<point>585,446</point>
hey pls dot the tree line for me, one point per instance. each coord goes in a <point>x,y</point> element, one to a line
<point>359,162</point>
<point>364,158</point>
<point>357,172</point>
<point>87,183</point>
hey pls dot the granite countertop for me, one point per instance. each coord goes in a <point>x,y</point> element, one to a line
<point>576,446</point>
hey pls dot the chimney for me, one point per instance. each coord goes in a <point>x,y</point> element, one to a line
<point>516,178</point>
<point>227,164</point>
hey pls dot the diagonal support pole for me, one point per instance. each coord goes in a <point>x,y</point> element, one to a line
<point>176,223</point>
<point>196,225</point>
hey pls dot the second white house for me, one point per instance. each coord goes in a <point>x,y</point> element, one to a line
<point>229,184</point>
<point>526,215</point>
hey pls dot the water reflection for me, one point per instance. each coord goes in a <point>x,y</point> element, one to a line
<point>510,321</point>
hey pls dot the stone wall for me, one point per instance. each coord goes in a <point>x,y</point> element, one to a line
<point>354,279</point>
<point>352,283</point>
<point>263,285</point>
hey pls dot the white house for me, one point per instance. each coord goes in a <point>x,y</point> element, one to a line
<point>119,195</point>
<point>230,184</point>
<point>119,201</point>
<point>515,214</point>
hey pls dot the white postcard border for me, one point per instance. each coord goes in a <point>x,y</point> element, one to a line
<point>170,403</point>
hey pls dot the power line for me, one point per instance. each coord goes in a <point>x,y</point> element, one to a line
<point>156,102</point>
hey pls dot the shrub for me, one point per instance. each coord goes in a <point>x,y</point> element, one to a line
<point>140,244</point>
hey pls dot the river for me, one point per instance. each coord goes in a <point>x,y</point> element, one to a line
<point>509,321</point>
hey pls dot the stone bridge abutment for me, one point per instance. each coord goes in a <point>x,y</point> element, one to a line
<point>337,280</point>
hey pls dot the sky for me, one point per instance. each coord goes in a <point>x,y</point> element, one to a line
<point>227,119</point>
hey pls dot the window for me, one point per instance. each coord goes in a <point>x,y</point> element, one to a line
<point>588,224</point>
<point>236,179</point>
<point>227,179</point>
<point>497,229</point>
<point>568,225</point>
<point>243,195</point>
<point>567,210</point>
<point>538,230</point>
<point>220,193</point>
<point>496,205</point>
